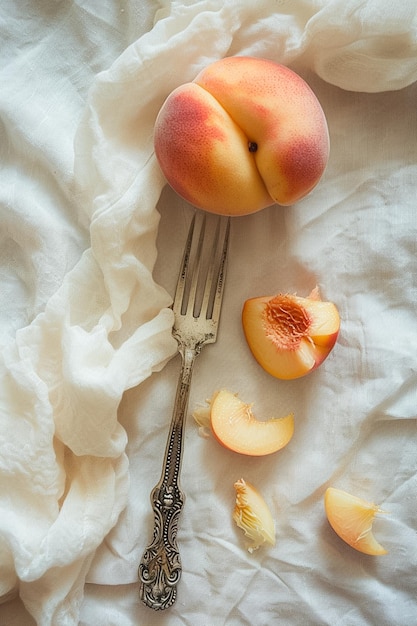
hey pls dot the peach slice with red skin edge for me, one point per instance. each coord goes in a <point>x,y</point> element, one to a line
<point>351,518</point>
<point>288,335</point>
<point>235,427</point>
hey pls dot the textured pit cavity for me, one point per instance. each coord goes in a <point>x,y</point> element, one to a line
<point>286,322</point>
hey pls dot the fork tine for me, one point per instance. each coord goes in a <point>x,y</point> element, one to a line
<point>221,275</point>
<point>177,305</point>
<point>208,286</point>
<point>200,284</point>
<point>192,295</point>
<point>211,303</point>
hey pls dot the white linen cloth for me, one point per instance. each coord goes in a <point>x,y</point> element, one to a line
<point>85,318</point>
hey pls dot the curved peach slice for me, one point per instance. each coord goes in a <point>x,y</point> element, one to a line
<point>252,515</point>
<point>288,335</point>
<point>351,518</point>
<point>234,426</point>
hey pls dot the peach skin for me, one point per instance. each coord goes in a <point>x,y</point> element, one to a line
<point>245,134</point>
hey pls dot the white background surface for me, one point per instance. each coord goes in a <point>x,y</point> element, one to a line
<point>81,191</point>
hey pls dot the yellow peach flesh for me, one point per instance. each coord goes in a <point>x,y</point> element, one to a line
<point>246,133</point>
<point>252,515</point>
<point>352,518</point>
<point>235,427</point>
<point>289,336</point>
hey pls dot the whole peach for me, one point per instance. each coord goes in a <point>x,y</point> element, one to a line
<point>245,134</point>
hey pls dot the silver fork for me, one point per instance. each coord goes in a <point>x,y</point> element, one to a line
<point>197,305</point>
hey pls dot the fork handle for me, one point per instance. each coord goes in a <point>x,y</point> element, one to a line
<point>160,567</point>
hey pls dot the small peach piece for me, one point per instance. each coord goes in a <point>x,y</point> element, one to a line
<point>246,133</point>
<point>351,518</point>
<point>290,336</point>
<point>251,513</point>
<point>235,427</point>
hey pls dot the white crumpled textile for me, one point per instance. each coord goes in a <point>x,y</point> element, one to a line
<point>91,241</point>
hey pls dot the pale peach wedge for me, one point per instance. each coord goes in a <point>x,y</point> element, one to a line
<point>245,134</point>
<point>352,518</point>
<point>288,335</point>
<point>233,424</point>
<point>253,516</point>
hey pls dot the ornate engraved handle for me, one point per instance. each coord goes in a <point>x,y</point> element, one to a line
<point>160,567</point>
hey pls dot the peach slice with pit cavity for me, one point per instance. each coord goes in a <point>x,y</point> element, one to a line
<point>233,424</point>
<point>288,335</point>
<point>351,518</point>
